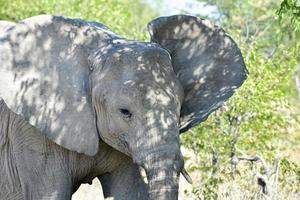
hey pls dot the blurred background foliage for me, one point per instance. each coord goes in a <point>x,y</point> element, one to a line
<point>290,9</point>
<point>250,148</point>
<point>262,118</point>
<point>125,17</point>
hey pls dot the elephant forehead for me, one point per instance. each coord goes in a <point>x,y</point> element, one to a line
<point>135,67</point>
<point>143,70</point>
<point>151,86</point>
<point>150,96</point>
<point>141,59</point>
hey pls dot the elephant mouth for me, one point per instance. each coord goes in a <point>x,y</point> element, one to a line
<point>184,173</point>
<point>162,178</point>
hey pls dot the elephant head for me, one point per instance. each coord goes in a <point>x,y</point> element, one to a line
<point>86,83</point>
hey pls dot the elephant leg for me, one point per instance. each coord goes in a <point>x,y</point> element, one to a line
<point>43,168</point>
<point>45,184</point>
<point>124,183</point>
<point>56,194</point>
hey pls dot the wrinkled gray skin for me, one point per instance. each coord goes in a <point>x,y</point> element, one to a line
<point>79,101</point>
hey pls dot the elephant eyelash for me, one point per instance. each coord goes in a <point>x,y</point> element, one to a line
<point>125,112</point>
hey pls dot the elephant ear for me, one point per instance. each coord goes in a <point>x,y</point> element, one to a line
<point>45,78</point>
<point>206,60</point>
<point>5,25</point>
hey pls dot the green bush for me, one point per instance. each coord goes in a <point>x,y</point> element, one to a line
<point>258,120</point>
<point>126,17</point>
<point>260,117</point>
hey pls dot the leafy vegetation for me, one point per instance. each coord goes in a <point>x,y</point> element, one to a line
<point>290,9</point>
<point>259,118</point>
<point>257,132</point>
<point>126,17</point>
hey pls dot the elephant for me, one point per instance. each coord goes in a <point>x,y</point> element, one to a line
<point>80,101</point>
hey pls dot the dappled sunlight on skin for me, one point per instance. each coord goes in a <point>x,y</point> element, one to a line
<point>140,78</point>
<point>206,60</point>
<point>5,25</point>
<point>76,81</point>
<point>53,94</point>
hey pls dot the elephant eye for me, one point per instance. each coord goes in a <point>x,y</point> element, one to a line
<point>126,113</point>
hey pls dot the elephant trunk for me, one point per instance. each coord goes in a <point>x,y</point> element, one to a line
<point>159,154</point>
<point>163,184</point>
<point>162,172</point>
